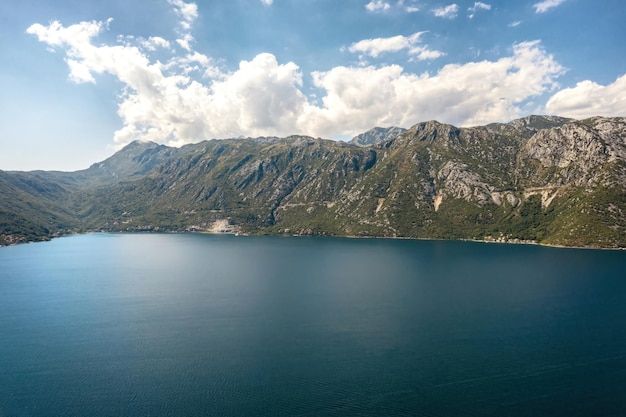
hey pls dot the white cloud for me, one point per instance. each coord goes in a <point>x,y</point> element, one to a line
<point>412,9</point>
<point>154,42</point>
<point>267,2</point>
<point>515,24</point>
<point>377,6</point>
<point>193,61</point>
<point>374,47</point>
<point>187,98</point>
<point>589,99</point>
<point>185,42</point>
<point>79,72</point>
<point>161,102</point>
<point>264,95</point>
<point>546,5</point>
<point>422,53</point>
<point>188,12</point>
<point>476,7</point>
<point>447,12</point>
<point>260,98</point>
<point>56,35</point>
<point>468,94</point>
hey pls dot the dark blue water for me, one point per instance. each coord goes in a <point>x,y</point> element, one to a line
<point>193,325</point>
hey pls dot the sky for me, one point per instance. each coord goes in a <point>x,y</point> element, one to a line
<point>80,79</point>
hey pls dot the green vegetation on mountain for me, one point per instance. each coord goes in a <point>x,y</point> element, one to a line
<point>543,179</point>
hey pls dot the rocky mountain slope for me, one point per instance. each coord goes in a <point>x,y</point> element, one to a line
<point>376,135</point>
<point>544,179</point>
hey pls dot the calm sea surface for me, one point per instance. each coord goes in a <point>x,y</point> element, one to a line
<point>196,325</point>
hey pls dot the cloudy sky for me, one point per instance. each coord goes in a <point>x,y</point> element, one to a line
<point>80,79</point>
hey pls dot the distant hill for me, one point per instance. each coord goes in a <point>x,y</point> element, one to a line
<point>543,179</point>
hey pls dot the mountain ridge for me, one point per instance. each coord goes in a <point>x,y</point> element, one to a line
<point>544,179</point>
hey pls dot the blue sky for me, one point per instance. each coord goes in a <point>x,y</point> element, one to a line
<point>80,79</point>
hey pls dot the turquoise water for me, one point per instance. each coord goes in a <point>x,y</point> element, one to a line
<point>195,325</point>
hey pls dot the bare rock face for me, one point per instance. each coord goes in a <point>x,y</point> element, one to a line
<point>458,181</point>
<point>613,132</point>
<point>567,145</point>
<point>572,153</point>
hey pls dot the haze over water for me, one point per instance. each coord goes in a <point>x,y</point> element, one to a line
<point>195,325</point>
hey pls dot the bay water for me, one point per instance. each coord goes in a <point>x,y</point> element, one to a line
<point>202,325</point>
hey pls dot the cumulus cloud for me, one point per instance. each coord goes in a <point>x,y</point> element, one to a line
<point>476,7</point>
<point>412,9</point>
<point>546,5</point>
<point>377,6</point>
<point>187,98</point>
<point>374,47</point>
<point>468,94</point>
<point>447,12</point>
<point>589,99</point>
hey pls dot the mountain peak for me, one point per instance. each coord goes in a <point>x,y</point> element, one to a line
<point>136,158</point>
<point>431,130</point>
<point>376,135</point>
<point>139,144</point>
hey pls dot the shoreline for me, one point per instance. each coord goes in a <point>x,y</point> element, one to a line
<point>243,234</point>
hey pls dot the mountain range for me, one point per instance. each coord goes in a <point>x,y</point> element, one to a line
<point>543,179</point>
